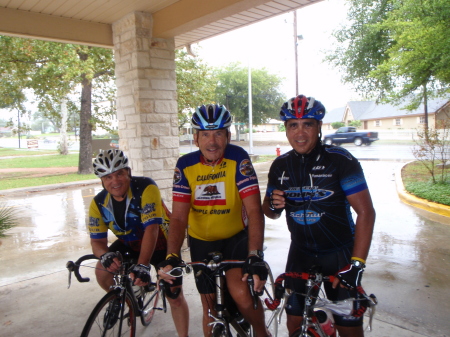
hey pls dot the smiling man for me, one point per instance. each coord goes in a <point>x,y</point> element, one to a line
<point>317,185</point>
<point>132,209</point>
<point>216,193</point>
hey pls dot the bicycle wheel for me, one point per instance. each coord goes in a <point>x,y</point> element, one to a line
<point>106,317</point>
<point>150,301</point>
<point>271,317</point>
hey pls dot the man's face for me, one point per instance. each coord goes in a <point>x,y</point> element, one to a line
<point>212,143</point>
<point>117,183</point>
<point>302,134</point>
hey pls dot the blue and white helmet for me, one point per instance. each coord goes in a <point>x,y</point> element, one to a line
<point>302,107</point>
<point>211,117</point>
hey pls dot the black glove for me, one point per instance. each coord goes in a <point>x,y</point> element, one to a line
<point>107,259</point>
<point>170,261</point>
<point>254,265</point>
<point>350,276</point>
<point>142,272</point>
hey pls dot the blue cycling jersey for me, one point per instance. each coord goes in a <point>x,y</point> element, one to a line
<point>316,186</point>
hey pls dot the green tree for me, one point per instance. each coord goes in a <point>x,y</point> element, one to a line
<point>356,124</point>
<point>337,125</point>
<point>396,50</point>
<point>195,85</point>
<point>54,71</point>
<point>232,90</point>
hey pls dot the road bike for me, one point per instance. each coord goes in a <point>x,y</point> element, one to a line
<point>117,312</point>
<point>228,321</point>
<point>317,313</point>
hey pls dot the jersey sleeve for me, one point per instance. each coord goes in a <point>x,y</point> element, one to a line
<point>97,227</point>
<point>152,208</point>
<point>246,179</point>
<point>352,177</point>
<point>181,190</point>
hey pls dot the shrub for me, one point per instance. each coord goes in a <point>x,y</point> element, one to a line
<point>8,218</point>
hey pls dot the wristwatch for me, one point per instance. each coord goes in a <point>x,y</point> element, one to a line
<point>258,253</point>
<point>358,264</point>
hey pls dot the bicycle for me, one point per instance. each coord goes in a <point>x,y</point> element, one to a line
<point>116,313</point>
<point>229,321</point>
<point>317,319</point>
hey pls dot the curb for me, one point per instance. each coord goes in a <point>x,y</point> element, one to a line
<point>36,189</point>
<point>412,200</point>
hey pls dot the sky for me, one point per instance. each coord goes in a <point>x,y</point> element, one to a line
<point>270,44</point>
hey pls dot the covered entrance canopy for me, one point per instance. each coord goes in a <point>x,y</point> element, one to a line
<point>144,35</point>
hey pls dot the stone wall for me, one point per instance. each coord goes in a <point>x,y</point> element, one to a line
<point>146,99</point>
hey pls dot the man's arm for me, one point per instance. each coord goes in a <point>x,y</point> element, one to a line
<point>148,244</point>
<point>361,202</point>
<point>177,227</point>
<point>177,230</point>
<point>255,215</point>
<point>99,246</point>
<point>147,248</point>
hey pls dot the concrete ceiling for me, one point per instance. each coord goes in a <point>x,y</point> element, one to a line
<point>90,21</point>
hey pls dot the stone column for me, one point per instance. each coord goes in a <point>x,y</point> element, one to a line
<point>146,99</point>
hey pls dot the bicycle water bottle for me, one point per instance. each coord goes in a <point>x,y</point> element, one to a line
<point>325,319</point>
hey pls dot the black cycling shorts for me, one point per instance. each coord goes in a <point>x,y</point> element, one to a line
<point>157,257</point>
<point>328,264</point>
<point>234,248</point>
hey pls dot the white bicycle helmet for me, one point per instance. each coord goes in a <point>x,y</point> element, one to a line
<point>108,162</point>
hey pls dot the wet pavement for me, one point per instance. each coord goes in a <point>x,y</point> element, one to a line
<point>407,269</point>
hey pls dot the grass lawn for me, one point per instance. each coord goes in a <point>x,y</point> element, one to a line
<point>50,160</point>
<point>10,152</point>
<point>417,181</point>
<point>21,179</point>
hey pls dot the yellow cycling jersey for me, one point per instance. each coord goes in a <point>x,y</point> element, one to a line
<point>215,192</point>
<point>144,208</point>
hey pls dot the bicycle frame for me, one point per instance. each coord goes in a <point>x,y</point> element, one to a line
<point>313,300</point>
<point>139,304</point>
<point>226,314</point>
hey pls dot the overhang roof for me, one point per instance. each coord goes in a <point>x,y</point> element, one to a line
<point>90,21</point>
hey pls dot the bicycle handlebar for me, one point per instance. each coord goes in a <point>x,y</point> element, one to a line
<point>371,300</point>
<point>279,289</point>
<point>75,267</point>
<point>216,265</point>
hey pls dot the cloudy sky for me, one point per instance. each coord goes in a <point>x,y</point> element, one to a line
<point>270,44</point>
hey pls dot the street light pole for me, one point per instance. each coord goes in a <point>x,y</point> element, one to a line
<point>296,54</point>
<point>296,39</point>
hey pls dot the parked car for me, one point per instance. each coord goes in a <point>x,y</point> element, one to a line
<point>348,134</point>
<point>114,143</point>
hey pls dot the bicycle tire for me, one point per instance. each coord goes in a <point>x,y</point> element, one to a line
<point>271,317</point>
<point>150,302</point>
<point>95,325</point>
<point>309,333</point>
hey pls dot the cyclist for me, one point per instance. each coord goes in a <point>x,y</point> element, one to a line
<point>132,208</point>
<point>316,185</point>
<point>216,192</point>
